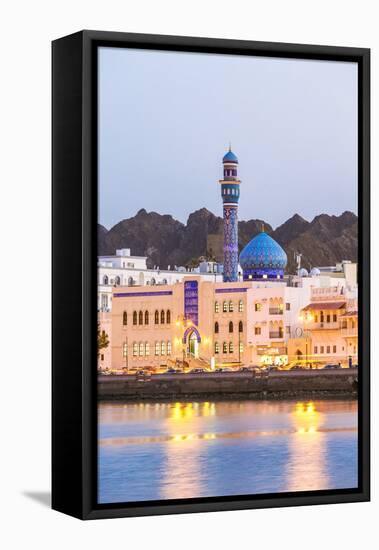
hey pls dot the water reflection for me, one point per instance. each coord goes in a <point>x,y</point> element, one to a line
<point>192,449</point>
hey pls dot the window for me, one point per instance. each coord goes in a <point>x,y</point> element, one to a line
<point>102,357</point>
<point>334,317</point>
<point>225,307</point>
<point>231,326</point>
<point>288,329</point>
<point>147,348</point>
<point>157,348</point>
<point>288,306</point>
<point>321,349</point>
<point>140,318</point>
<point>315,349</point>
<point>117,281</point>
<point>352,324</point>
<point>216,327</point>
<point>141,348</point>
<point>240,326</point>
<point>224,347</point>
<point>258,306</point>
<point>217,348</point>
<point>124,318</point>
<point>168,317</point>
<point>153,281</point>
<point>105,280</point>
<point>231,348</point>
<point>134,317</point>
<point>321,316</point>
<point>217,307</point>
<point>328,318</point>
<point>327,349</point>
<point>163,348</point>
<point>231,307</point>
<point>156,317</point>
<point>316,318</point>
<point>168,347</point>
<point>164,281</point>
<point>162,317</point>
<point>146,317</point>
<point>241,347</point>
<point>240,306</point>
<point>334,349</point>
<point>257,331</point>
<point>135,349</point>
<point>130,281</point>
<point>125,349</point>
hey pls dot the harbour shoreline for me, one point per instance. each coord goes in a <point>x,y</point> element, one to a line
<point>237,386</point>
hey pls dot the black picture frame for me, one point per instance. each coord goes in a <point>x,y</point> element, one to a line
<point>74,315</point>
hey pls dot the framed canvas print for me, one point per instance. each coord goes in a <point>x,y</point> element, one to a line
<point>210,274</point>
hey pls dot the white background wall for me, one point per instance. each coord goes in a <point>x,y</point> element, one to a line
<point>26,31</point>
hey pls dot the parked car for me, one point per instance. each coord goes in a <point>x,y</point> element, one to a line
<point>197,371</point>
<point>224,369</point>
<point>174,371</point>
<point>332,366</point>
<point>297,367</point>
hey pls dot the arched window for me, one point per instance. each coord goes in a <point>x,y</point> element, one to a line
<point>216,327</point>
<point>141,348</point>
<point>130,281</point>
<point>140,318</point>
<point>224,347</point>
<point>146,317</point>
<point>217,307</point>
<point>168,347</point>
<point>117,281</point>
<point>135,349</point>
<point>163,348</point>
<point>147,348</point>
<point>162,317</point>
<point>217,348</point>
<point>231,326</point>
<point>240,306</point>
<point>240,326</point>
<point>134,317</point>
<point>124,318</point>
<point>231,347</point>
<point>105,280</point>
<point>168,317</point>
<point>241,347</point>
<point>164,281</point>
<point>321,316</point>
<point>156,317</point>
<point>153,281</point>
<point>231,307</point>
<point>225,306</point>
<point>157,348</point>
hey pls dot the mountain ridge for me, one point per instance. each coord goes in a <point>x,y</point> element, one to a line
<point>325,240</point>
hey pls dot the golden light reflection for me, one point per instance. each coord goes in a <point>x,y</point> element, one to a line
<point>307,463</point>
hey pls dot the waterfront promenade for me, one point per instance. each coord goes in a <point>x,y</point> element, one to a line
<point>280,384</point>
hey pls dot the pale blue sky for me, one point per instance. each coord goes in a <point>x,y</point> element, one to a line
<point>166,119</point>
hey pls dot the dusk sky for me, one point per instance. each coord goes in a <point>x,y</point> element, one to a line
<point>166,120</point>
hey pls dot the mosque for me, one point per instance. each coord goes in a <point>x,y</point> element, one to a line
<point>209,322</point>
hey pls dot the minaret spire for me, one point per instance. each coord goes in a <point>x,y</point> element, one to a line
<point>230,193</point>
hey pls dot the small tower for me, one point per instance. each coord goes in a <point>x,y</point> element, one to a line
<point>230,193</point>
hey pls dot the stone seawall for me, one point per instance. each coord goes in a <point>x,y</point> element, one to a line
<point>238,385</point>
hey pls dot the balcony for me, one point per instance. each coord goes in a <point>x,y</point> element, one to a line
<point>275,311</point>
<point>349,332</point>
<point>276,335</point>
<point>324,325</point>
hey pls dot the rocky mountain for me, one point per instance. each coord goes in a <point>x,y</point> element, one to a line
<point>166,241</point>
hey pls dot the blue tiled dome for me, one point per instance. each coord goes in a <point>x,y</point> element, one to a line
<point>263,257</point>
<point>230,157</point>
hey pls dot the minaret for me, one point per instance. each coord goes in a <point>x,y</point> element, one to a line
<point>230,193</point>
